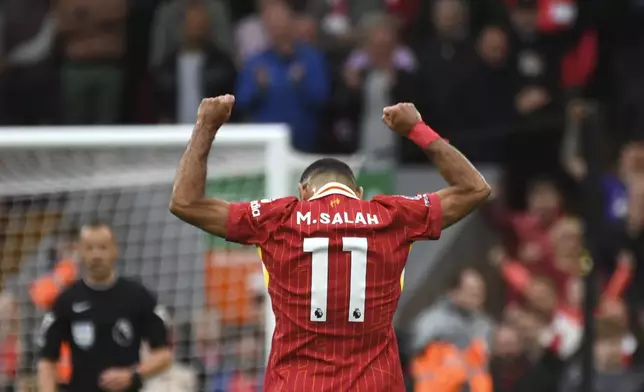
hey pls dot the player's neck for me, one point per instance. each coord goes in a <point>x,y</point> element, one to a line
<point>100,283</point>
<point>326,181</point>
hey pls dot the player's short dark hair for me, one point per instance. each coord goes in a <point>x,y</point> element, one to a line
<point>328,165</point>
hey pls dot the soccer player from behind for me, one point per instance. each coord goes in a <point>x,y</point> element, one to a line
<point>334,261</point>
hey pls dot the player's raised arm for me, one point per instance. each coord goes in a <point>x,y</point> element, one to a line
<point>467,187</point>
<point>189,202</point>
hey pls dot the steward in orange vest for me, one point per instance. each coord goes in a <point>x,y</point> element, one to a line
<point>450,340</point>
<point>443,367</point>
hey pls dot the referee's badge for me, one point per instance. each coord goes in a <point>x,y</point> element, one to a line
<point>83,334</point>
<point>123,333</point>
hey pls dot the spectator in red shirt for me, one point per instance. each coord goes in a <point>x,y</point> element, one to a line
<point>569,264</point>
<point>526,234</point>
<point>562,305</point>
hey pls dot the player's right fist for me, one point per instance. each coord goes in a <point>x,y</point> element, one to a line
<point>215,111</point>
<point>401,117</point>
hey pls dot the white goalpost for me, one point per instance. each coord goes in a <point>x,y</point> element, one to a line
<point>54,178</point>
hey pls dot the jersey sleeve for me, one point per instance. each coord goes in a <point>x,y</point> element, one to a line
<point>54,330</point>
<point>250,223</point>
<point>420,216</point>
<point>154,332</point>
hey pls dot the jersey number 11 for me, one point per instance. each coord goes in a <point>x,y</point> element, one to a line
<point>319,249</point>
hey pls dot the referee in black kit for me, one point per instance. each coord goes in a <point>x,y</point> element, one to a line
<point>104,318</point>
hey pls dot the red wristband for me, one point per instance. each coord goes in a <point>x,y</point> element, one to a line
<point>423,135</point>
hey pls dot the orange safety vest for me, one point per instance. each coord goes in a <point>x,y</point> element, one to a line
<point>43,292</point>
<point>226,279</point>
<point>442,367</point>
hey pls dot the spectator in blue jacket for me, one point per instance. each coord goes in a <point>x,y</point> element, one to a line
<point>286,83</point>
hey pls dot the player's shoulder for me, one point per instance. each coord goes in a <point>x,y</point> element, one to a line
<point>397,199</point>
<point>281,201</point>
<point>271,207</point>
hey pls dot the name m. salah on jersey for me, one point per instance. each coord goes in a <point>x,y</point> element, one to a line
<point>104,328</point>
<point>334,265</point>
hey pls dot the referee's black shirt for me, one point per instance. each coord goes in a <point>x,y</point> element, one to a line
<point>104,328</point>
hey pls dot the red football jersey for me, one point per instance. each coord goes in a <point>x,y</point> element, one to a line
<point>334,265</point>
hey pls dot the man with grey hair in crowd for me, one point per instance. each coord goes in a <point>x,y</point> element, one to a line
<point>458,325</point>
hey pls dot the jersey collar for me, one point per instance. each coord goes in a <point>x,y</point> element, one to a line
<point>334,188</point>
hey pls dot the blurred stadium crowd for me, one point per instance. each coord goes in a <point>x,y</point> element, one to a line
<point>550,90</point>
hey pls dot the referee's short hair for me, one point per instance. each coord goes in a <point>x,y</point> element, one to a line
<point>95,224</point>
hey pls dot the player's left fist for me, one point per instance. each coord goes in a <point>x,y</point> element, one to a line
<point>116,379</point>
<point>401,117</point>
<point>213,112</point>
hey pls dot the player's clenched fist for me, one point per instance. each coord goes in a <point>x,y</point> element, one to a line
<point>401,117</point>
<point>215,111</point>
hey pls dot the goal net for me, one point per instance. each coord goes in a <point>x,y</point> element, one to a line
<point>54,180</point>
